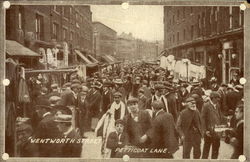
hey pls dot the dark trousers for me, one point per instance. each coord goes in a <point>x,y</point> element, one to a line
<point>208,141</point>
<point>192,142</point>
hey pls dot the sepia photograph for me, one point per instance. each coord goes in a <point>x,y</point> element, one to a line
<point>124,81</point>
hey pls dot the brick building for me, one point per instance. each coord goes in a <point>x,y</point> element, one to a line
<point>104,40</point>
<point>209,36</point>
<point>55,32</point>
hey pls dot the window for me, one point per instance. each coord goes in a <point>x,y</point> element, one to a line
<point>199,25</point>
<point>178,37</point>
<point>178,14</point>
<point>64,34</point>
<point>71,36</point>
<point>55,30</point>
<point>39,27</point>
<point>184,34</point>
<point>173,38</point>
<point>20,20</point>
<point>192,32</point>
<point>183,10</point>
<point>191,10</point>
<point>57,9</point>
<point>173,20</point>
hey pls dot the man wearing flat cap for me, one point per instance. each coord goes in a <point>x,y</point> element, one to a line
<point>158,96</point>
<point>24,147</point>
<point>69,98</point>
<point>211,116</point>
<point>47,129</point>
<point>190,129</point>
<point>163,133</point>
<point>64,124</point>
<point>142,99</point>
<point>138,123</point>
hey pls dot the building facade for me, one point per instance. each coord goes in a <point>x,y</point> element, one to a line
<point>126,47</point>
<point>104,40</point>
<point>52,31</point>
<point>210,36</point>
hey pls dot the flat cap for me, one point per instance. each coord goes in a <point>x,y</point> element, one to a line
<point>190,99</point>
<point>63,109</point>
<point>132,100</point>
<point>54,85</point>
<point>214,94</point>
<point>24,127</point>
<point>120,121</point>
<point>141,90</point>
<point>54,99</point>
<point>85,89</point>
<point>75,85</point>
<point>68,84</point>
<point>117,94</point>
<point>75,81</point>
<point>157,105</point>
<point>44,90</point>
<point>158,87</point>
<point>63,118</point>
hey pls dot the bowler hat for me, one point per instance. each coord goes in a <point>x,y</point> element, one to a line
<point>75,81</point>
<point>63,109</point>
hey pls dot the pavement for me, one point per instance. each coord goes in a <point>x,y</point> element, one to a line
<point>93,151</point>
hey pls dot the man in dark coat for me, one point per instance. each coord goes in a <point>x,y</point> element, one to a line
<point>223,104</point>
<point>94,104</point>
<point>24,146</point>
<point>47,129</point>
<point>54,92</point>
<point>69,98</point>
<point>69,149</point>
<point>142,99</point>
<point>163,134</point>
<point>158,96</point>
<point>171,108</point>
<point>232,98</point>
<point>107,96</point>
<point>43,99</point>
<point>189,128</point>
<point>138,123</point>
<point>211,116</point>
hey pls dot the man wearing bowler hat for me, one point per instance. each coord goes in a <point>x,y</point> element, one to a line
<point>107,96</point>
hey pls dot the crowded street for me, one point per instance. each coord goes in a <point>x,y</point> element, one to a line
<point>89,84</point>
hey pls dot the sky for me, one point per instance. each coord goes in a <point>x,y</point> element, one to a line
<point>144,22</point>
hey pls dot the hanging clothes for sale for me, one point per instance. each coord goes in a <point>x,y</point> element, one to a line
<point>23,92</point>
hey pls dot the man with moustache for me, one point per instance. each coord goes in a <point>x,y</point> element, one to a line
<point>189,128</point>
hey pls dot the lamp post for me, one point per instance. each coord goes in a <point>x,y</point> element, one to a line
<point>186,61</point>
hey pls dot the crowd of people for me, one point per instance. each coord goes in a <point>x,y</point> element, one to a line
<point>137,107</point>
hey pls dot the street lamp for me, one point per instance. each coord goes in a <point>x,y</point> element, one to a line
<point>186,61</point>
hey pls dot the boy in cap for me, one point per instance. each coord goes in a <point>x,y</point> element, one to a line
<point>138,123</point>
<point>117,139</point>
<point>55,92</point>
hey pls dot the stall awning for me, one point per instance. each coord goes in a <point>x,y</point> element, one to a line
<point>85,59</point>
<point>14,48</point>
<point>92,58</point>
<point>106,59</point>
<point>114,59</point>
